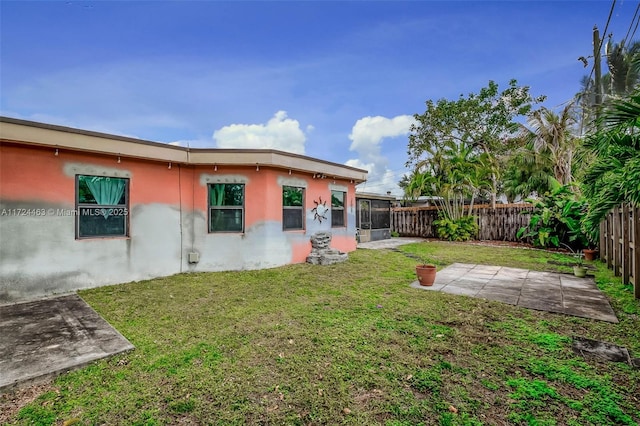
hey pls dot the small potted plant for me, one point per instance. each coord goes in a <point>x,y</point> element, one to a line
<point>590,253</point>
<point>592,237</point>
<point>579,269</point>
<point>426,274</point>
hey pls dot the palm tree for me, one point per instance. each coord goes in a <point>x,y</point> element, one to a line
<point>552,135</point>
<point>528,174</point>
<point>623,62</point>
<point>453,172</point>
<point>623,75</point>
<point>614,176</point>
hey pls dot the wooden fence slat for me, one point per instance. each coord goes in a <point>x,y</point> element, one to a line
<point>620,233</point>
<point>617,224</point>
<point>625,238</point>
<point>635,224</point>
<point>603,240</point>
<point>610,240</point>
<point>501,223</point>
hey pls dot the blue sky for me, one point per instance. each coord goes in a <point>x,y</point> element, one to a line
<point>339,81</point>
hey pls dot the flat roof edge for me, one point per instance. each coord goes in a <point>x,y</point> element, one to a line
<point>42,134</point>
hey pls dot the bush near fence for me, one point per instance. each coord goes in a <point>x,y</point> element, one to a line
<point>500,223</point>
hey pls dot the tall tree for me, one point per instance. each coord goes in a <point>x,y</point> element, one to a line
<point>482,122</point>
<point>614,177</point>
<point>554,135</point>
<point>623,77</point>
<point>453,174</point>
<point>528,174</point>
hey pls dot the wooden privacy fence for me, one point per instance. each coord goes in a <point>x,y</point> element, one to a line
<point>620,244</point>
<point>500,224</point>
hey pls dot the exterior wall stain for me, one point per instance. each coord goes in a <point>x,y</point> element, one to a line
<point>168,219</point>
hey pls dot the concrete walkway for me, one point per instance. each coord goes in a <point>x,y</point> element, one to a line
<point>389,243</point>
<point>41,339</point>
<point>544,291</point>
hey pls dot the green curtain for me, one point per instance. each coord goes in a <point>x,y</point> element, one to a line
<point>106,191</point>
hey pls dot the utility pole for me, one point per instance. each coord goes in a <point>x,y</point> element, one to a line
<point>596,68</point>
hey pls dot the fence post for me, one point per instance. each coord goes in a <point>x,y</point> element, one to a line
<point>636,251</point>
<point>620,244</point>
<point>625,236</point>
<point>610,240</point>
<point>603,240</point>
<point>616,242</point>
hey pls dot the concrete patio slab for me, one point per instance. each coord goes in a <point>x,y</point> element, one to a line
<point>511,299</point>
<point>389,243</point>
<point>541,304</point>
<point>41,339</point>
<point>544,291</point>
<point>505,285</point>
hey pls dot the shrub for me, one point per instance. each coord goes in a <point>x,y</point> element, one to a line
<point>462,229</point>
<point>556,220</point>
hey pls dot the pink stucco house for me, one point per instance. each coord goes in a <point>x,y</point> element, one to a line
<point>80,209</point>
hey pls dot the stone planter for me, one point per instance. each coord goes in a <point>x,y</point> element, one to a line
<point>322,253</point>
<point>426,274</point>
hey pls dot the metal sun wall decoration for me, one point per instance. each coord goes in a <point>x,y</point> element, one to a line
<point>320,210</point>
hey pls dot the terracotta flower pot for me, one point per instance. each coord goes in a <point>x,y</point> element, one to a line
<point>426,274</point>
<point>589,254</point>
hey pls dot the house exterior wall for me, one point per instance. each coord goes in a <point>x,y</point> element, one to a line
<point>168,219</point>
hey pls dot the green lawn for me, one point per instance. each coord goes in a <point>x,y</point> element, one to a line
<point>347,344</point>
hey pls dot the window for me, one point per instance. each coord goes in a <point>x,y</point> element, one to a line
<point>380,214</point>
<point>292,208</point>
<point>226,207</point>
<point>337,209</point>
<point>364,210</point>
<point>102,206</point>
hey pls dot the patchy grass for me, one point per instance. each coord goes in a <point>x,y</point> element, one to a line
<point>350,343</point>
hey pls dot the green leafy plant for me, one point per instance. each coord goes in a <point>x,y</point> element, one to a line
<point>461,229</point>
<point>612,177</point>
<point>556,219</point>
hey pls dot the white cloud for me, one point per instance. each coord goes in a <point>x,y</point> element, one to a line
<point>360,165</point>
<point>367,136</point>
<point>279,132</point>
<point>368,132</point>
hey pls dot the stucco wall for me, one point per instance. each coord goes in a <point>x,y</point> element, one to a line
<point>40,255</point>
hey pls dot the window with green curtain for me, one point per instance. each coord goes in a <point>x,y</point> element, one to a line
<point>292,208</point>
<point>102,206</point>
<point>337,209</point>
<point>226,207</point>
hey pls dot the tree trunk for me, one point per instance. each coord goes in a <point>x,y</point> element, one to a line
<point>494,186</point>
